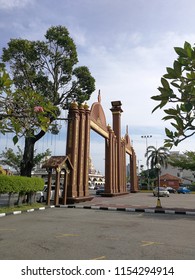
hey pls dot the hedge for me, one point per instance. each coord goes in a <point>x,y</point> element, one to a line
<point>20,184</point>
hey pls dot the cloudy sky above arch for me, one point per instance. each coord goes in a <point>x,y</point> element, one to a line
<point>127,45</point>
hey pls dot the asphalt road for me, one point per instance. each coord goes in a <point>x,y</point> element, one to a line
<point>82,234</point>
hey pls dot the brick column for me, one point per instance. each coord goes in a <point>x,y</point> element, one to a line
<point>116,116</point>
<point>86,151</point>
<point>57,186</point>
<point>109,162</point>
<point>81,150</point>
<point>72,148</point>
<point>133,168</point>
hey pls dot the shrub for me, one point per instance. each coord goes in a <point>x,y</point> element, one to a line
<point>24,186</point>
<point>20,184</point>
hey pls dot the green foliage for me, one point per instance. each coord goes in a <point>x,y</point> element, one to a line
<point>178,89</point>
<point>14,159</point>
<point>49,67</point>
<point>5,81</point>
<point>11,159</point>
<point>19,184</point>
<point>84,85</point>
<point>45,75</point>
<point>183,161</point>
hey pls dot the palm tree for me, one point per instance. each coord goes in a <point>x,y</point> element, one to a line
<point>157,156</point>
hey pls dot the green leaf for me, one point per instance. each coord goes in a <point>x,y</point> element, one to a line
<point>156,97</point>
<point>168,144</point>
<point>177,67</point>
<point>188,49</point>
<point>168,133</point>
<point>167,118</point>
<point>168,76</point>
<point>175,85</point>
<point>188,106</point>
<point>171,111</point>
<point>158,106</point>
<point>15,139</point>
<point>172,73</point>
<point>165,83</point>
<point>180,51</point>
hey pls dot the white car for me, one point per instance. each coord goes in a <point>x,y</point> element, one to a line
<point>41,196</point>
<point>162,192</point>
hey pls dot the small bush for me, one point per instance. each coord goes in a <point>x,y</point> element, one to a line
<point>20,184</point>
<point>26,187</point>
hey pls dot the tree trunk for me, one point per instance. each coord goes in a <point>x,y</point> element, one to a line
<point>28,157</point>
<point>27,163</point>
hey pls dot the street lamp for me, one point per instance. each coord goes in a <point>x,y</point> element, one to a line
<point>158,167</point>
<point>146,137</point>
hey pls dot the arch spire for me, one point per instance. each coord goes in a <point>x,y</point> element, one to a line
<point>99,96</point>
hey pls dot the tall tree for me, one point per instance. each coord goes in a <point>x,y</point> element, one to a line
<point>13,159</point>
<point>183,161</point>
<point>157,156</point>
<point>178,91</point>
<point>46,68</point>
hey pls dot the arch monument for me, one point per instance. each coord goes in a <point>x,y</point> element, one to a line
<point>81,120</point>
<point>75,165</point>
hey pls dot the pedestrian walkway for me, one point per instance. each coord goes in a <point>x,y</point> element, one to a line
<point>141,202</point>
<point>133,202</point>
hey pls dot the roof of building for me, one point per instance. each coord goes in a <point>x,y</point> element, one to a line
<point>57,161</point>
<point>170,177</point>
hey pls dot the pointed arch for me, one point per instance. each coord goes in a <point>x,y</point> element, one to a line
<point>98,119</point>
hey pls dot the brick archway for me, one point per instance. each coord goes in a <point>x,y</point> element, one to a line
<point>81,120</point>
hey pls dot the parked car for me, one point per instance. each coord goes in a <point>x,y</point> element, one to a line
<point>162,192</point>
<point>183,190</point>
<point>171,190</point>
<point>92,187</point>
<point>100,190</point>
<point>41,196</point>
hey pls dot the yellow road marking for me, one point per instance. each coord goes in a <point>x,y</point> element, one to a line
<point>66,235</point>
<point>148,243</point>
<point>99,258</point>
<point>7,229</point>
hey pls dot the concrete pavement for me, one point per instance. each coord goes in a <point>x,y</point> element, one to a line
<point>134,202</point>
<point>142,202</point>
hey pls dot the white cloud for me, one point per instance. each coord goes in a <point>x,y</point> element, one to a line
<point>11,4</point>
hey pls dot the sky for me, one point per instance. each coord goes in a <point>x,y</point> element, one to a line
<point>126,44</point>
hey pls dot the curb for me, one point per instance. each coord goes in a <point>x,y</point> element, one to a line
<point>126,209</point>
<point>111,208</point>
<point>26,211</point>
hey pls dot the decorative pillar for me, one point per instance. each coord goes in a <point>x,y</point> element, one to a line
<point>134,181</point>
<point>109,163</point>
<point>116,115</point>
<point>72,148</point>
<point>49,186</point>
<point>81,152</point>
<point>86,151</point>
<point>57,186</point>
<point>66,173</point>
<point>114,164</point>
<point>123,166</point>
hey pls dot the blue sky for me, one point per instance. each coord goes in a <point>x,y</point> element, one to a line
<point>127,45</point>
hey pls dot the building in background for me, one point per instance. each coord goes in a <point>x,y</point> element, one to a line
<point>187,177</point>
<point>95,177</point>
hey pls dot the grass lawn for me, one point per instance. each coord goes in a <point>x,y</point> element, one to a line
<point>23,207</point>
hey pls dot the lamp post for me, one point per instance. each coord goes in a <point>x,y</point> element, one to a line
<point>158,167</point>
<point>146,137</point>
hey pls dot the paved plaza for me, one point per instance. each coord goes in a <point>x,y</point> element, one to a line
<point>175,202</point>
